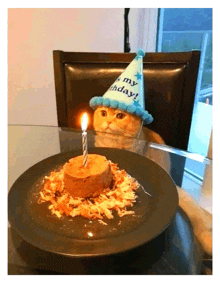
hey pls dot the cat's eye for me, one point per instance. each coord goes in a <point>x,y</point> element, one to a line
<point>120,115</point>
<point>103,113</point>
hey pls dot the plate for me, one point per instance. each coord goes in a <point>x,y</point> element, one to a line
<point>81,237</point>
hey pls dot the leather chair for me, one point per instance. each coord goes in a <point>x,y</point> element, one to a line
<point>170,85</point>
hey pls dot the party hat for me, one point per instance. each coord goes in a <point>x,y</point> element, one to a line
<point>127,92</point>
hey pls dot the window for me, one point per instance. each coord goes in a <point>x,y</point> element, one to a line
<point>188,29</point>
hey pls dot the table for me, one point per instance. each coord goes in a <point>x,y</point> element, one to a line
<point>170,252</point>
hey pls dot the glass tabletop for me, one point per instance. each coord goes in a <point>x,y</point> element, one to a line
<point>27,145</point>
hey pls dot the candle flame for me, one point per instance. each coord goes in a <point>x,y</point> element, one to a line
<point>84,123</point>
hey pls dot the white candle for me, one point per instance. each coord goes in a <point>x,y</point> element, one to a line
<point>84,139</point>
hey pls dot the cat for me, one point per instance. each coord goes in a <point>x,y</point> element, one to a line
<point>117,122</point>
<point>118,129</point>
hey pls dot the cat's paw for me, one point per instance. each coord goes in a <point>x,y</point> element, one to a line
<point>205,239</point>
<point>201,220</point>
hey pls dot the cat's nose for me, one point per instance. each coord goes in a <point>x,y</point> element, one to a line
<point>109,122</point>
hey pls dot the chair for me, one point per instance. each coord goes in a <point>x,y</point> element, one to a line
<point>169,78</point>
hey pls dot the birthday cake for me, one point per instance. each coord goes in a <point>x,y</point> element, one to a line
<point>89,181</point>
<point>110,189</point>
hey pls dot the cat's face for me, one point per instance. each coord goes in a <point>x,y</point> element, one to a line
<point>115,121</point>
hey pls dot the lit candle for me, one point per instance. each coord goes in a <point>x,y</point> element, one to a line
<point>84,139</point>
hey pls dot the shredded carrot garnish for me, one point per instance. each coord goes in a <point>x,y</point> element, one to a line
<point>117,198</point>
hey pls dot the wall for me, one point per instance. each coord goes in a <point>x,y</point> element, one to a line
<point>32,36</point>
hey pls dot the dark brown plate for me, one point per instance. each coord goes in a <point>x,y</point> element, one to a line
<point>80,237</point>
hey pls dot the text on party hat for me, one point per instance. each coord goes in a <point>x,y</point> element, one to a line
<point>123,89</point>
